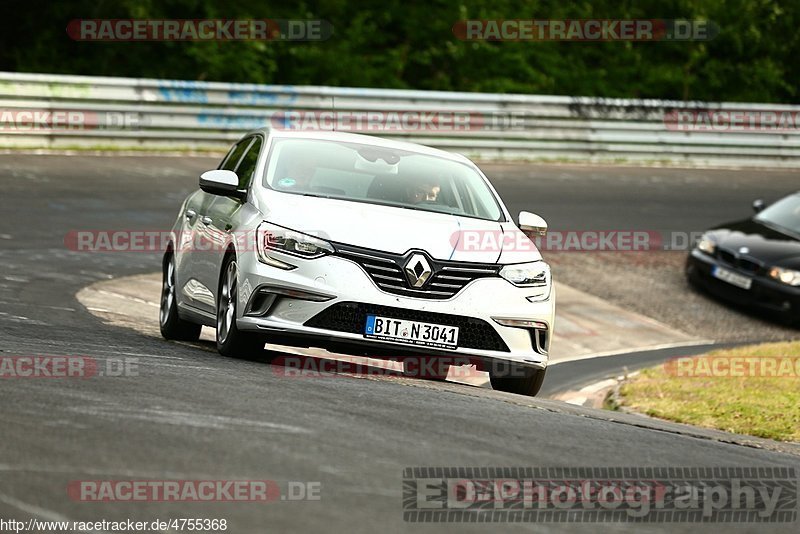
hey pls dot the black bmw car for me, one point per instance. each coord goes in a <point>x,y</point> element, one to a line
<point>754,261</point>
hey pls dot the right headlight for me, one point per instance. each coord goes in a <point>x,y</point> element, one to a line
<point>707,245</point>
<point>274,238</point>
<point>533,274</point>
<point>787,276</point>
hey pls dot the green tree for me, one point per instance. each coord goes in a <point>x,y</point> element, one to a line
<point>410,44</point>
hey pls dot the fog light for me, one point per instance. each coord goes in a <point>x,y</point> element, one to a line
<point>265,296</point>
<point>520,323</point>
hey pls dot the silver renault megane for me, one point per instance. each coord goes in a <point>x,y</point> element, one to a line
<point>361,245</point>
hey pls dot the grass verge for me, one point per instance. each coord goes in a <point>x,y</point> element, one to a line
<point>752,390</point>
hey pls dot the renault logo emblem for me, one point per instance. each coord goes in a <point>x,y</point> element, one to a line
<point>417,270</point>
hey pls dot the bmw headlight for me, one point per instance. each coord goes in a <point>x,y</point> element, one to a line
<point>534,274</point>
<point>707,245</point>
<point>274,238</point>
<point>786,276</point>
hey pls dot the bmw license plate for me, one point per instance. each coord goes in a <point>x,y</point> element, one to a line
<point>412,332</point>
<point>731,277</point>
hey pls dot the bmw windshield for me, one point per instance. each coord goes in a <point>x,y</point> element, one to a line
<point>365,173</point>
<point>784,214</point>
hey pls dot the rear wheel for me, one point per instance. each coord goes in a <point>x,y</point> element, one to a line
<point>519,380</point>
<point>172,326</point>
<point>230,340</point>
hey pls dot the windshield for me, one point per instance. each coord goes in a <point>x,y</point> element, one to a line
<point>365,173</point>
<point>785,213</point>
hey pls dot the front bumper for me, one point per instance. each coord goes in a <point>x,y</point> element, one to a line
<point>764,293</point>
<point>337,284</point>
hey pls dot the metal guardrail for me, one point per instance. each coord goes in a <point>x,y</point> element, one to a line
<point>134,113</point>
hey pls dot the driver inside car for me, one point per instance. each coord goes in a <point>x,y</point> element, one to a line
<point>424,192</point>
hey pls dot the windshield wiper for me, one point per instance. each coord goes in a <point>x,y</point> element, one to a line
<point>315,195</point>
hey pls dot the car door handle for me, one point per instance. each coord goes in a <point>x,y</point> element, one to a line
<point>190,214</point>
<point>206,220</point>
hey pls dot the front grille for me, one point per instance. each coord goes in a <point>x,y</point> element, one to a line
<point>727,257</point>
<point>351,317</point>
<point>740,263</point>
<point>386,270</point>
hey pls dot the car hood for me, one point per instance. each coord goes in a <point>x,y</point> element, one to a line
<point>390,229</point>
<point>764,243</point>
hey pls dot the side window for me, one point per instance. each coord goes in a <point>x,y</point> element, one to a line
<point>247,167</point>
<point>233,157</point>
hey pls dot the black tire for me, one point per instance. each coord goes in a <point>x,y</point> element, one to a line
<point>231,341</point>
<point>690,271</point>
<point>172,326</point>
<point>522,381</point>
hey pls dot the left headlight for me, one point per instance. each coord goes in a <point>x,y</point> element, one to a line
<point>534,274</point>
<point>271,237</point>
<point>786,276</point>
<point>707,245</point>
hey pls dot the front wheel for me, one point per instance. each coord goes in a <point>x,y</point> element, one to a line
<point>230,340</point>
<point>519,380</point>
<point>172,326</point>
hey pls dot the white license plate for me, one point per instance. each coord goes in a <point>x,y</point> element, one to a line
<point>412,332</point>
<point>731,277</point>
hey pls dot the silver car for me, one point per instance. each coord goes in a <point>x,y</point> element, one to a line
<point>360,245</point>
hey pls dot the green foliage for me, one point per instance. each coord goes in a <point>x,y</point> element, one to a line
<point>410,44</point>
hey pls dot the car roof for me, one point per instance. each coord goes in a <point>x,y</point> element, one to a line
<point>362,139</point>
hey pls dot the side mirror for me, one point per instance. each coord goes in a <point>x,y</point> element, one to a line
<point>530,223</point>
<point>758,205</point>
<point>220,182</point>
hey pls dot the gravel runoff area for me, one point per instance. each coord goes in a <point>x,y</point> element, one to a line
<point>653,284</point>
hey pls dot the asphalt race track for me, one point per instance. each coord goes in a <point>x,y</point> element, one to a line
<point>191,414</point>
